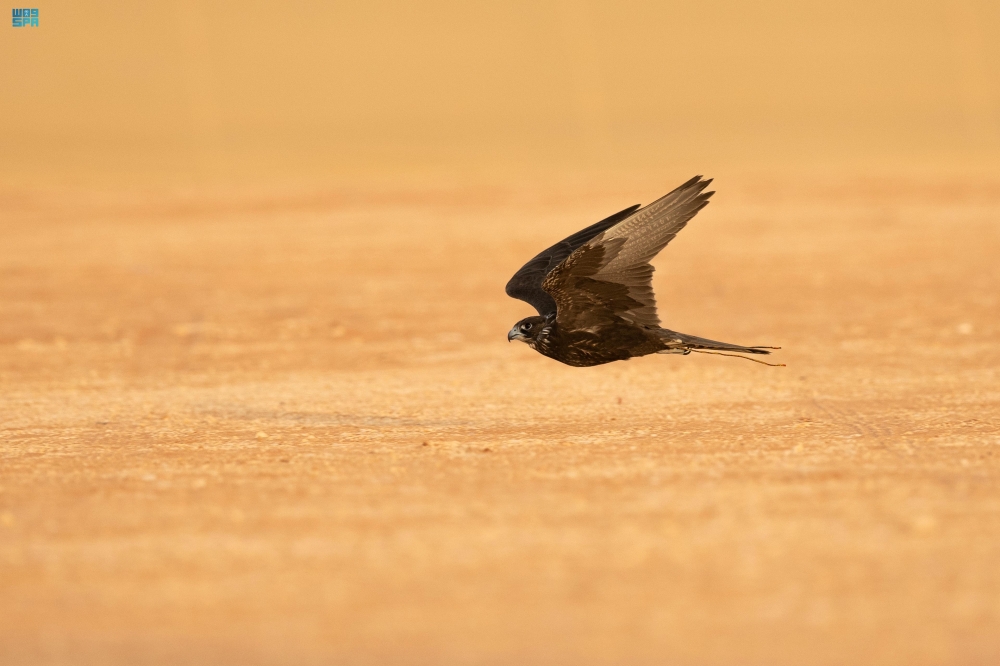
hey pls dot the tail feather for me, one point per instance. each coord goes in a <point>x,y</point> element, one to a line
<point>681,341</point>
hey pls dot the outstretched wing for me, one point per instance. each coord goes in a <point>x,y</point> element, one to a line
<point>610,276</point>
<point>526,284</point>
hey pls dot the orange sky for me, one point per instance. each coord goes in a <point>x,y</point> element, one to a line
<point>238,91</point>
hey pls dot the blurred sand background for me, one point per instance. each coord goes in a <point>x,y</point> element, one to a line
<point>256,405</point>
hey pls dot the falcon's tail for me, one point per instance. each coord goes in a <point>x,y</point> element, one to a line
<point>681,343</point>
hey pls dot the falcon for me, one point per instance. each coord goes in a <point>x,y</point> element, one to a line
<point>593,290</point>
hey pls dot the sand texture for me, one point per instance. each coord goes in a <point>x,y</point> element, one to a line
<point>288,429</point>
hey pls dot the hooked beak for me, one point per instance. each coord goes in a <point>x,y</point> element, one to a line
<point>514,334</point>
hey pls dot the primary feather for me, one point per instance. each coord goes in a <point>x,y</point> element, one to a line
<point>627,249</point>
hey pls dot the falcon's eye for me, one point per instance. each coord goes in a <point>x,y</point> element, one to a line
<point>526,327</point>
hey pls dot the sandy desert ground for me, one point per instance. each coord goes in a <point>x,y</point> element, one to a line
<point>286,428</point>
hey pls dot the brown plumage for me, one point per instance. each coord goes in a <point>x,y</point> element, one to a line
<point>594,293</point>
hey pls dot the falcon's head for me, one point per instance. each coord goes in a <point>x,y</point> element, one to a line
<point>527,329</point>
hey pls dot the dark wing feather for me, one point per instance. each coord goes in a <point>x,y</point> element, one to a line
<point>526,284</point>
<point>610,275</point>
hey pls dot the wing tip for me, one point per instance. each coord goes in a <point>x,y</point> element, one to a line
<point>697,183</point>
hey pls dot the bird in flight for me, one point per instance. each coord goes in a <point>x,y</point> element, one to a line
<point>594,293</point>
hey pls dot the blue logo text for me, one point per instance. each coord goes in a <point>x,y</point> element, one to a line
<point>25,18</point>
